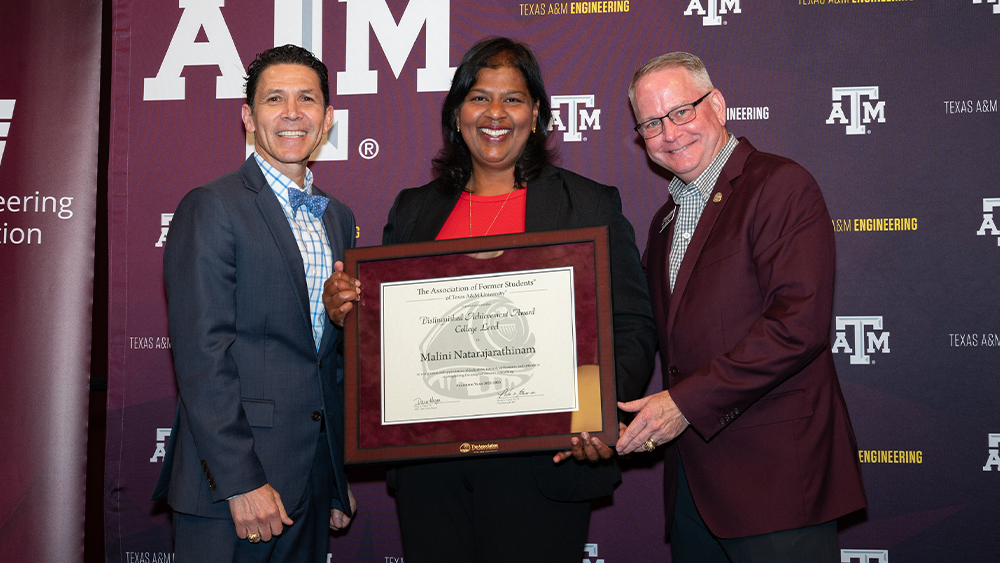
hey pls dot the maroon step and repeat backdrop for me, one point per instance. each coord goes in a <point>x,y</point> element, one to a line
<point>893,106</point>
<point>50,54</point>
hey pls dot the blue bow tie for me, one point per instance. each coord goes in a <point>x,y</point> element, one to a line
<point>315,203</point>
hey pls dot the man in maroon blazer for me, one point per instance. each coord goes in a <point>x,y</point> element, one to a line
<point>740,264</point>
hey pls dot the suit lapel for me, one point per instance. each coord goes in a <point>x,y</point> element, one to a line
<point>277,223</point>
<point>658,253</point>
<point>545,209</point>
<point>432,215</point>
<point>717,201</point>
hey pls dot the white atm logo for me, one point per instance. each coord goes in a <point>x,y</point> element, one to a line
<point>396,42</point>
<point>864,556</point>
<point>861,111</point>
<point>865,329</point>
<point>589,551</point>
<point>994,453</point>
<point>161,445</point>
<point>6,114</point>
<point>996,4</point>
<point>712,10</point>
<point>989,224</point>
<point>165,219</point>
<point>300,22</point>
<point>577,117</point>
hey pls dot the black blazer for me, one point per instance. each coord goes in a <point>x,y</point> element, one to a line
<point>559,199</point>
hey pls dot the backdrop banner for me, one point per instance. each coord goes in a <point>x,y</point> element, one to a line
<point>893,107</point>
<point>50,63</point>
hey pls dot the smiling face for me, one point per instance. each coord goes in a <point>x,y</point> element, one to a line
<point>289,118</point>
<point>496,118</point>
<point>686,150</point>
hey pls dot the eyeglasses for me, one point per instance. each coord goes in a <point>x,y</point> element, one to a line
<point>678,116</point>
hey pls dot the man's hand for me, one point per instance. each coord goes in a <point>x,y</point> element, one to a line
<point>339,520</point>
<point>340,291</point>
<point>587,448</point>
<point>259,512</point>
<point>659,419</point>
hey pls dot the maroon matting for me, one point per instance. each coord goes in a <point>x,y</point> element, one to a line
<point>367,440</point>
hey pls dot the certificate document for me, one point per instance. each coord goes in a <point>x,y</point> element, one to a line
<point>479,346</point>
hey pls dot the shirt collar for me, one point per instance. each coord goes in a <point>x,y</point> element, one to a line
<point>705,182</point>
<point>280,183</point>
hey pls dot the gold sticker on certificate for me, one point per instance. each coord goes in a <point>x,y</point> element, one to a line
<point>478,346</point>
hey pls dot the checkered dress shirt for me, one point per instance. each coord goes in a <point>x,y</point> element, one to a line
<point>310,235</point>
<point>692,199</point>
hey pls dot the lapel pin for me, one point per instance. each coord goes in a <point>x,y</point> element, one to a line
<point>718,197</point>
<point>668,219</point>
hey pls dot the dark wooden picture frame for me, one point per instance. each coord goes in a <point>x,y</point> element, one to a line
<point>586,250</point>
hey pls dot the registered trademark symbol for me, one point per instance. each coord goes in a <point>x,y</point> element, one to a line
<point>368,149</point>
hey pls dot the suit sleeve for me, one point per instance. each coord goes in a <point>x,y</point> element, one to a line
<point>635,330</point>
<point>348,238</point>
<point>792,245</point>
<point>340,500</point>
<point>200,275</point>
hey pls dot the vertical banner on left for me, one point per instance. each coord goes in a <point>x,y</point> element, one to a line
<point>50,55</point>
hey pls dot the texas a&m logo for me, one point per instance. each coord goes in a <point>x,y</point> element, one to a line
<point>578,117</point>
<point>993,460</point>
<point>301,22</point>
<point>867,330</point>
<point>989,226</point>
<point>863,107</point>
<point>864,556</point>
<point>996,4</point>
<point>712,10</point>
<point>6,114</point>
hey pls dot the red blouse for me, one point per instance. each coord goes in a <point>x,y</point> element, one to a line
<point>476,215</point>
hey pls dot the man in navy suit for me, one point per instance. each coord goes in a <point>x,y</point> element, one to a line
<point>761,456</point>
<point>254,471</point>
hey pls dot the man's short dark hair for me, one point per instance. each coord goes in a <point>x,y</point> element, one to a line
<point>286,55</point>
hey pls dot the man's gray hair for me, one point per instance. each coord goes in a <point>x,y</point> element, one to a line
<point>692,63</point>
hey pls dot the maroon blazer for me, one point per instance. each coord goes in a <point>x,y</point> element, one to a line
<point>746,353</point>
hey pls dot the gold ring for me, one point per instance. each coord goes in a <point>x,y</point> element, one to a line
<point>254,537</point>
<point>649,445</point>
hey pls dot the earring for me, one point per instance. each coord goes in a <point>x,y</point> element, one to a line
<point>532,127</point>
<point>458,126</point>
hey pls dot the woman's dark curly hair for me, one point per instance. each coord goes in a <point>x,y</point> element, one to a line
<point>453,164</point>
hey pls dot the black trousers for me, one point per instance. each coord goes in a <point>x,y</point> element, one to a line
<point>486,510</point>
<point>214,540</point>
<point>692,542</point>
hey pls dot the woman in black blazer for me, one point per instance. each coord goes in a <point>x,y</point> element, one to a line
<point>494,177</point>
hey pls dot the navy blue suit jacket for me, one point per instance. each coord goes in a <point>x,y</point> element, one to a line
<point>249,377</point>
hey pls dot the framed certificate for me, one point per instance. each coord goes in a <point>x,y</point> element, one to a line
<point>479,346</point>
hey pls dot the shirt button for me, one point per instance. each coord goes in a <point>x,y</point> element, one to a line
<point>686,236</point>
<point>316,415</point>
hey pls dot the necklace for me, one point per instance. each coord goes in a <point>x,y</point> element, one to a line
<point>495,216</point>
